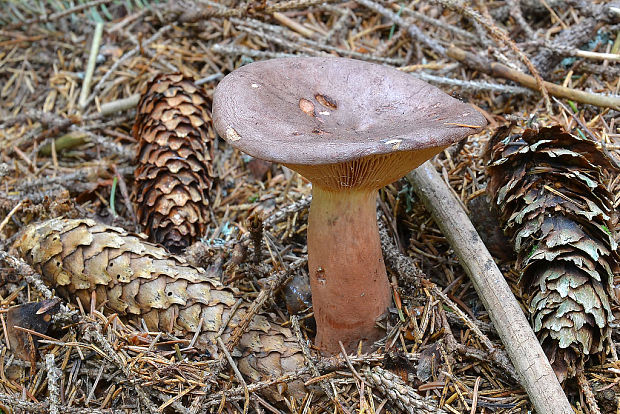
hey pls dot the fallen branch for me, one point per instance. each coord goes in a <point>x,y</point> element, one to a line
<point>44,407</point>
<point>523,348</point>
<point>184,14</point>
<point>587,392</point>
<point>471,84</point>
<point>413,30</point>
<point>498,70</point>
<point>53,375</point>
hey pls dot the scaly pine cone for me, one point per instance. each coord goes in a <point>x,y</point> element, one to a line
<point>174,174</point>
<point>137,279</point>
<point>399,393</point>
<point>548,188</point>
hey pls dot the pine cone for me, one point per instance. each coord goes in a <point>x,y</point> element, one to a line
<point>553,205</point>
<point>399,393</point>
<point>139,280</point>
<point>174,174</point>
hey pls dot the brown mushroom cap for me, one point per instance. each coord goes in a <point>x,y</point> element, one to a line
<point>320,110</point>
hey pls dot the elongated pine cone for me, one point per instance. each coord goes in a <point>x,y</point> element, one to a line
<point>553,205</point>
<point>137,279</point>
<point>174,174</point>
<point>399,393</point>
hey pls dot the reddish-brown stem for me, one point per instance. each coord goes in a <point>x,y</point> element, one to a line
<point>350,289</point>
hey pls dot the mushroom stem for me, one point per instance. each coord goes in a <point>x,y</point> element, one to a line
<point>350,289</point>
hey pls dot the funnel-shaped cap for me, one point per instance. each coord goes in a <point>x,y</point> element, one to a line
<point>313,111</point>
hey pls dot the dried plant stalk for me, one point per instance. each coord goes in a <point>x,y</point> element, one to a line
<point>174,174</point>
<point>548,188</point>
<point>138,279</point>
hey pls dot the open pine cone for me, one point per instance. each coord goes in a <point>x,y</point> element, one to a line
<point>547,186</point>
<point>174,174</point>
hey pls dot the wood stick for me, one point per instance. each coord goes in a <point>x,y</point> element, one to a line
<point>498,70</point>
<point>132,101</point>
<point>537,376</point>
<point>597,55</point>
<point>293,25</point>
<point>90,68</point>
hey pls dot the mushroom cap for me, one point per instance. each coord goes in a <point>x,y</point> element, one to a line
<point>326,110</point>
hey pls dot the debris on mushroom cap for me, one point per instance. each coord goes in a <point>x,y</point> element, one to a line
<point>317,110</point>
<point>306,106</point>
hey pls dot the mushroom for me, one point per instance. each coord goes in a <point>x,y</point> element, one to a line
<point>350,127</point>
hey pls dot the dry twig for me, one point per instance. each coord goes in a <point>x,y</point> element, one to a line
<point>502,71</point>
